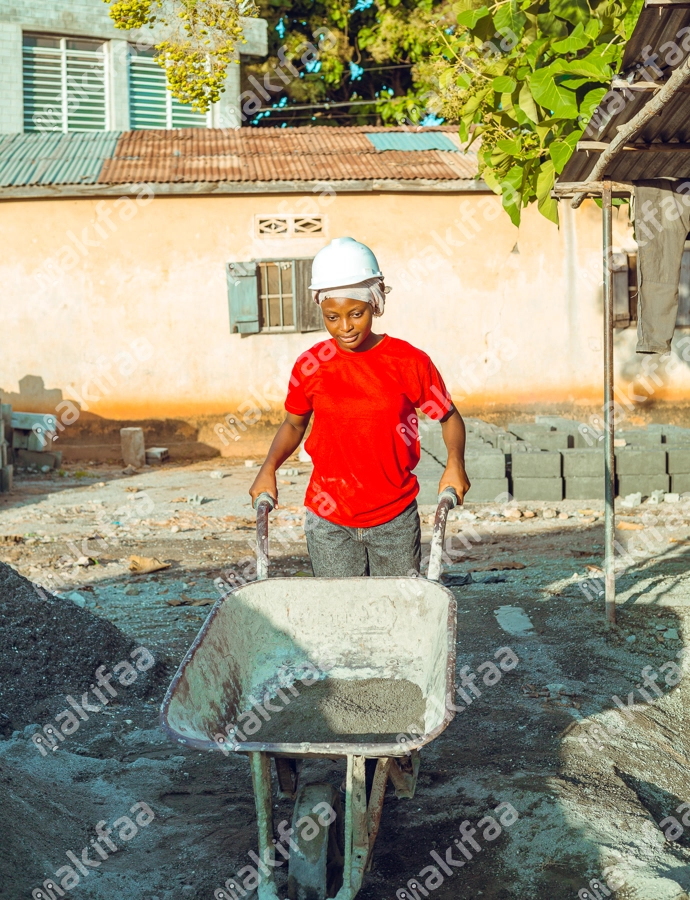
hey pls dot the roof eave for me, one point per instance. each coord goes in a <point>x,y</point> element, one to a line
<point>225,188</point>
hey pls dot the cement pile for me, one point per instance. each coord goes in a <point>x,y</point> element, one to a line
<point>374,709</point>
<point>49,648</point>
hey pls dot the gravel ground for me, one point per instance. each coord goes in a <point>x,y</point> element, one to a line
<point>590,785</point>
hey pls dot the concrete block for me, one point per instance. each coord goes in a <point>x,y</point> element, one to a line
<point>486,490</point>
<point>156,456</point>
<point>631,484</point>
<point>560,423</point>
<point>678,460</point>
<point>525,430</point>
<point>680,482</point>
<point>552,440</point>
<point>33,458</point>
<point>640,462</point>
<point>587,438</point>
<point>584,487</point>
<point>583,463</point>
<point>27,421</point>
<point>537,488</point>
<point>489,464</point>
<point>6,479</point>
<point>640,437</point>
<point>542,464</point>
<point>133,449</point>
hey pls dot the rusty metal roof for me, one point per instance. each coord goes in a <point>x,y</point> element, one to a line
<point>51,164</point>
<point>278,154</point>
<point>659,30</point>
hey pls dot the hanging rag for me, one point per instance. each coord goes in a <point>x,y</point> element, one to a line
<point>662,222</point>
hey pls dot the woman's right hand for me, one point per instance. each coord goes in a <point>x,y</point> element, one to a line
<point>265,481</point>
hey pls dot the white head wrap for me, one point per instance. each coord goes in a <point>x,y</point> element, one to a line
<point>373,291</point>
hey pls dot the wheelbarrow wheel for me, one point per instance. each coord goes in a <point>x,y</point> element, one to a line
<point>315,870</point>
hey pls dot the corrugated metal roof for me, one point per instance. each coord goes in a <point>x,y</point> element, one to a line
<point>423,140</point>
<point>273,154</point>
<point>656,28</point>
<point>50,158</point>
<point>246,155</point>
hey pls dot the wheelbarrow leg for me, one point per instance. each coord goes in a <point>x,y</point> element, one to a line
<point>356,831</point>
<point>261,780</point>
<point>375,809</point>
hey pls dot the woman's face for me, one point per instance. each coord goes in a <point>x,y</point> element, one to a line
<point>348,321</point>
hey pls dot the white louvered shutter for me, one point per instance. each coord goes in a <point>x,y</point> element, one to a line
<point>150,103</point>
<point>65,84</point>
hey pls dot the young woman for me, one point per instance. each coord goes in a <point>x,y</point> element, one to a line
<point>363,390</point>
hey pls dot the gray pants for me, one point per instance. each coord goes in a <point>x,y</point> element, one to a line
<point>662,221</point>
<point>338,551</point>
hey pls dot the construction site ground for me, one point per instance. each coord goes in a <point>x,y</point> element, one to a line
<point>589,791</point>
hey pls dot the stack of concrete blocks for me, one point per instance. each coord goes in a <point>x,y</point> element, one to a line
<point>32,436</point>
<point>556,458</point>
<point>485,462</point>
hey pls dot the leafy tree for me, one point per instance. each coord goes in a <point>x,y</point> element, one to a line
<point>198,41</point>
<point>377,44</point>
<point>523,78</point>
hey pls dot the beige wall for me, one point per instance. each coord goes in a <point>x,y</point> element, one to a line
<point>509,317</point>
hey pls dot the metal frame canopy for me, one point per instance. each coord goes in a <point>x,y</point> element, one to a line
<point>640,130</point>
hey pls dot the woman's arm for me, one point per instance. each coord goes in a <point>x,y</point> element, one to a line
<point>453,429</point>
<point>287,440</point>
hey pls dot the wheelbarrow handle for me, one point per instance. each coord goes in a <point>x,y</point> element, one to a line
<point>447,500</point>
<point>263,505</point>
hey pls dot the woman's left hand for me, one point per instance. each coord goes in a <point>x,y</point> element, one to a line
<point>455,476</point>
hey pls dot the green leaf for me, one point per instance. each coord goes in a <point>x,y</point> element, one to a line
<point>504,84</point>
<point>511,193</point>
<point>551,26</point>
<point>510,18</point>
<point>512,147</point>
<point>558,99</point>
<point>548,207</point>
<point>572,11</point>
<point>470,18</point>
<point>527,104</point>
<point>545,179</point>
<point>592,28</point>
<point>575,41</point>
<point>591,100</point>
<point>561,151</point>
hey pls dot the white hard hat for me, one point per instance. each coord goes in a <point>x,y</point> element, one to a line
<point>343,262</point>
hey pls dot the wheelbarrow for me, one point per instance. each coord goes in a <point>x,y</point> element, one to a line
<point>367,628</point>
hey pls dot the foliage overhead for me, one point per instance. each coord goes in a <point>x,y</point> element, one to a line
<point>523,79</point>
<point>195,41</point>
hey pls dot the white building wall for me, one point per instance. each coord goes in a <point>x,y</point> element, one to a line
<point>88,18</point>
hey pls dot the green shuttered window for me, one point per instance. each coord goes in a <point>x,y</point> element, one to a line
<point>65,84</point>
<point>271,296</point>
<point>151,105</point>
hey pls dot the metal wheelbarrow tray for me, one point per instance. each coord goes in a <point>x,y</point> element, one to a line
<point>388,628</point>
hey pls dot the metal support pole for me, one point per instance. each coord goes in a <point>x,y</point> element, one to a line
<point>609,411</point>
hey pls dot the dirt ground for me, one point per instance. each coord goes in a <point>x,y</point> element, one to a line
<point>590,786</point>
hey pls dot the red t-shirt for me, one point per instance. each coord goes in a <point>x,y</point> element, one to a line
<point>364,439</point>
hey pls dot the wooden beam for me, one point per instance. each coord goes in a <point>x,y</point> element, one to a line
<point>588,188</point>
<point>619,84</point>
<point>661,147</point>
<point>677,80</point>
<point>668,4</point>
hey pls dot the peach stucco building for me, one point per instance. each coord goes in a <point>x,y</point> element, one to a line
<point>162,275</point>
